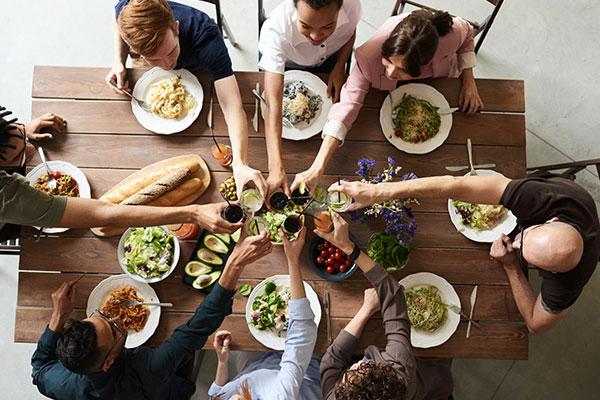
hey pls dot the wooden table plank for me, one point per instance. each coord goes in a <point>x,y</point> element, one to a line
<point>133,152</point>
<point>88,83</point>
<point>499,340</point>
<point>482,128</point>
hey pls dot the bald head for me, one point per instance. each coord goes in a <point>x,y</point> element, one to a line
<point>555,247</point>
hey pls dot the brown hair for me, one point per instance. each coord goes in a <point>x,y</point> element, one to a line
<point>371,381</point>
<point>416,38</point>
<point>144,23</point>
<point>246,395</point>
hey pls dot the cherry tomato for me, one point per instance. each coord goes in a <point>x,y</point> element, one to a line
<point>324,254</point>
<point>330,270</point>
<point>343,268</point>
<point>76,192</point>
<point>56,174</point>
<point>320,260</point>
<point>331,250</point>
<point>348,263</point>
<point>329,261</point>
<point>424,136</point>
<point>339,256</point>
<point>320,247</point>
<point>398,133</point>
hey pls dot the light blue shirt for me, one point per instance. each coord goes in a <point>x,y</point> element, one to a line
<point>283,376</point>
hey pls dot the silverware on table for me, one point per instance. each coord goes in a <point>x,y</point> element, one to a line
<point>470,152</point>
<point>134,303</point>
<point>77,280</point>
<point>473,300</point>
<point>145,106</point>
<point>286,122</point>
<point>448,110</point>
<point>256,110</point>
<point>51,181</point>
<point>326,305</point>
<point>459,168</point>
<point>209,119</point>
<point>456,309</point>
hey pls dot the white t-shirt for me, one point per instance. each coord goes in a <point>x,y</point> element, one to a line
<point>281,44</point>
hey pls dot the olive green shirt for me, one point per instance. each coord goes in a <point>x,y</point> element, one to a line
<point>21,204</point>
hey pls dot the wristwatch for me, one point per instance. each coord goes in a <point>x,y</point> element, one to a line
<point>355,253</point>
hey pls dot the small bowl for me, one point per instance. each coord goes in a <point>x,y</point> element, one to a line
<point>338,276</point>
<point>121,258</point>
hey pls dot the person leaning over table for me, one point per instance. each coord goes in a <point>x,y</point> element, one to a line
<point>559,233</point>
<point>87,360</point>
<point>170,35</point>
<point>394,373</point>
<point>310,35</point>
<point>22,204</point>
<point>422,44</point>
<point>292,374</point>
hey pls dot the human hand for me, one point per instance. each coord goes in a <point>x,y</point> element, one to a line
<point>363,194</point>
<point>209,217</point>
<point>468,99</point>
<point>221,344</point>
<point>244,174</point>
<point>48,121</point>
<point>503,251</point>
<point>337,78</point>
<point>340,236</point>
<point>310,177</point>
<point>277,181</point>
<point>63,302</point>
<point>293,248</point>
<point>250,249</point>
<point>370,303</point>
<point>118,75</point>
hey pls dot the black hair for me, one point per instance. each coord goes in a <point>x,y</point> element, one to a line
<point>77,347</point>
<point>318,4</point>
<point>6,126</point>
<point>416,38</point>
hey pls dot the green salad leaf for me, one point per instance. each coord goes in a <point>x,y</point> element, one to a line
<point>245,289</point>
<point>148,252</point>
<point>385,250</point>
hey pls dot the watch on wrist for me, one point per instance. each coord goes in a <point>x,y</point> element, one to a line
<point>355,253</point>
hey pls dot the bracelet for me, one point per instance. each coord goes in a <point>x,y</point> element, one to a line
<point>355,253</point>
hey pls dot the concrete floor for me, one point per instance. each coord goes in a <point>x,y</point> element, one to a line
<point>548,44</point>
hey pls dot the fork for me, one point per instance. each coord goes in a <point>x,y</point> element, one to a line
<point>470,152</point>
<point>51,181</point>
<point>139,102</point>
<point>455,309</point>
<point>286,122</point>
<point>134,303</point>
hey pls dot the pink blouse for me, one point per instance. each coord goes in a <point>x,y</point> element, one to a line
<point>455,52</point>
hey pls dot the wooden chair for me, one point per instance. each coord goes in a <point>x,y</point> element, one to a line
<point>570,168</point>
<point>222,22</point>
<point>480,28</point>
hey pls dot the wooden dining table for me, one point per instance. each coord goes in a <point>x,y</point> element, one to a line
<point>105,140</point>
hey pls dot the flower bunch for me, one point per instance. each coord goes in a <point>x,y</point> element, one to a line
<point>397,215</point>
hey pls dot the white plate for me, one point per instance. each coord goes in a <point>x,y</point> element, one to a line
<point>421,91</point>
<point>303,130</point>
<point>69,169</point>
<point>121,258</point>
<point>505,226</point>
<point>101,293</point>
<point>421,338</point>
<point>267,337</point>
<point>155,123</point>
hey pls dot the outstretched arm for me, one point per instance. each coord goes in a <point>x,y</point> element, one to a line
<point>273,114</point>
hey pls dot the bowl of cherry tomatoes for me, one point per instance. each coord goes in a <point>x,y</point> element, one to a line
<point>329,262</point>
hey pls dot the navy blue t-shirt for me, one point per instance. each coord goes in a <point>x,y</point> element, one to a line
<point>201,42</point>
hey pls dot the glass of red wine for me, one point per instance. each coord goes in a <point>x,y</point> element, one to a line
<point>233,213</point>
<point>292,224</point>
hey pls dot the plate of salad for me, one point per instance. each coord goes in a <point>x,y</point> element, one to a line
<point>482,223</point>
<point>266,310</point>
<point>274,220</point>
<point>148,254</point>
<point>427,299</point>
<point>410,119</point>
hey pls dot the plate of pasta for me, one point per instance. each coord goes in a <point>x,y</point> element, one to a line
<point>71,182</point>
<point>428,297</point>
<point>305,104</point>
<point>175,98</point>
<point>140,321</point>
<point>410,119</point>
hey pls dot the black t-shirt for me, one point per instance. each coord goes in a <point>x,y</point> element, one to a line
<point>200,40</point>
<point>536,200</point>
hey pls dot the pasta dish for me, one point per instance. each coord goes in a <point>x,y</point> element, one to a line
<point>415,120</point>
<point>170,100</point>
<point>299,105</point>
<point>426,310</point>
<point>66,185</point>
<point>479,216</point>
<point>132,318</point>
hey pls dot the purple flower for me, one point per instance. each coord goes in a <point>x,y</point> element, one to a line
<point>391,161</point>
<point>365,165</point>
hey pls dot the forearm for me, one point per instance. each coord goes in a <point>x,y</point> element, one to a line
<point>467,75</point>
<point>222,374</point>
<point>296,283</point>
<point>121,50</point>
<point>228,93</point>
<point>230,275</point>
<point>56,322</point>
<point>273,115</point>
<point>364,262</point>
<point>343,54</point>
<point>85,213</point>
<point>358,322</point>
<point>326,151</point>
<point>522,293</point>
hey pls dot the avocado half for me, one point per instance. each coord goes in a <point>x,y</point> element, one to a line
<point>215,244</point>
<point>197,268</point>
<point>225,237</point>
<point>208,257</point>
<point>204,281</point>
<point>235,236</point>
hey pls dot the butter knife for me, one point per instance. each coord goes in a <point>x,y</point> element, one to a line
<point>209,119</point>
<point>326,305</point>
<point>448,110</point>
<point>256,110</point>
<point>459,168</point>
<point>473,300</point>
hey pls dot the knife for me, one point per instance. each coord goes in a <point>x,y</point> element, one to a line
<point>328,316</point>
<point>448,110</point>
<point>473,300</point>
<point>209,120</point>
<point>256,110</point>
<point>463,167</point>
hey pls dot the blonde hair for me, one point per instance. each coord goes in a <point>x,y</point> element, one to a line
<point>246,395</point>
<point>144,23</point>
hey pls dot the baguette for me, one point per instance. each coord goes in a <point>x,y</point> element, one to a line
<point>164,185</point>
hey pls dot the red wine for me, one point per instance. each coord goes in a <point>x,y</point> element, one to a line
<point>292,224</point>
<point>233,213</point>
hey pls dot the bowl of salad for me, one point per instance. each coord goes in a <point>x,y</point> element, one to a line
<point>148,254</point>
<point>274,220</point>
